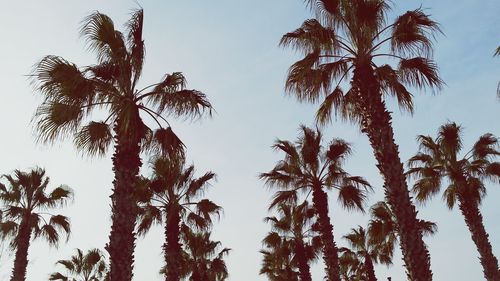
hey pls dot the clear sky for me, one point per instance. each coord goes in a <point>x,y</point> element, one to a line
<point>229,50</point>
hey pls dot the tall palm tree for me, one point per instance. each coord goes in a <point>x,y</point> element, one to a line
<point>26,206</point>
<point>90,266</point>
<point>309,167</point>
<point>344,45</point>
<point>203,258</point>
<point>438,159</point>
<point>295,228</point>
<point>362,247</point>
<point>71,94</point>
<point>172,196</point>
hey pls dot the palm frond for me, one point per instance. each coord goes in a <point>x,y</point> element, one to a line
<point>352,197</point>
<point>94,139</point>
<point>311,37</point>
<point>412,33</point>
<point>135,42</point>
<point>99,32</point>
<point>56,120</point>
<point>390,85</point>
<point>165,142</point>
<point>332,102</point>
<point>147,216</point>
<point>182,103</point>
<point>419,72</point>
<point>485,146</point>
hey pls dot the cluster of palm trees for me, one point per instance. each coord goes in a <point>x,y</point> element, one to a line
<point>341,47</point>
<point>71,95</point>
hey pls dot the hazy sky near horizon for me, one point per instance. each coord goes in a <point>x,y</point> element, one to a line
<point>229,50</point>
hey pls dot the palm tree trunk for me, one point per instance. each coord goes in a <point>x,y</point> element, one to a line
<point>303,265</point>
<point>126,164</point>
<point>376,124</point>
<point>370,271</point>
<point>21,260</point>
<point>330,251</point>
<point>172,247</point>
<point>474,221</point>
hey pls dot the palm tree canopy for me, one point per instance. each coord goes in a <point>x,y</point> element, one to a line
<point>203,256</point>
<point>307,163</point>
<point>440,158</point>
<point>174,185</point>
<point>72,93</point>
<point>26,197</point>
<point>90,266</point>
<point>349,34</point>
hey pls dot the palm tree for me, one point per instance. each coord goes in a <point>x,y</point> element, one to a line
<point>309,167</point>
<point>344,45</point>
<point>439,158</point>
<point>363,248</point>
<point>90,266</point>
<point>172,196</point>
<point>203,258</point>
<point>295,228</point>
<point>26,207</point>
<point>71,94</point>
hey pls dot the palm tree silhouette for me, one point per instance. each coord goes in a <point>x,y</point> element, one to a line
<point>203,258</point>
<point>90,266</point>
<point>295,229</point>
<point>26,206</point>
<point>277,261</point>
<point>308,166</point>
<point>172,196</point>
<point>72,94</point>
<point>344,44</point>
<point>363,248</point>
<point>439,158</point>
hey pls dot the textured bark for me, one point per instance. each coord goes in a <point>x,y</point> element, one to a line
<point>330,251</point>
<point>172,246</point>
<point>126,164</point>
<point>376,124</point>
<point>370,271</point>
<point>21,260</point>
<point>302,264</point>
<point>474,221</point>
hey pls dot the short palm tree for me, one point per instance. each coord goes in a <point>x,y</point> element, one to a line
<point>277,260</point>
<point>351,267</point>
<point>294,227</point>
<point>363,248</point>
<point>172,196</point>
<point>26,206</point>
<point>203,257</point>
<point>345,45</point>
<point>309,167</point>
<point>90,266</point>
<point>72,94</point>
<point>438,159</point>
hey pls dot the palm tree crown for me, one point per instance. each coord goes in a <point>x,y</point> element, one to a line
<point>439,158</point>
<point>26,214</point>
<point>309,167</point>
<point>172,196</point>
<point>90,266</point>
<point>203,257</point>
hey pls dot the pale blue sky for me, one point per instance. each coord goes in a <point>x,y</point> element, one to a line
<point>228,49</point>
